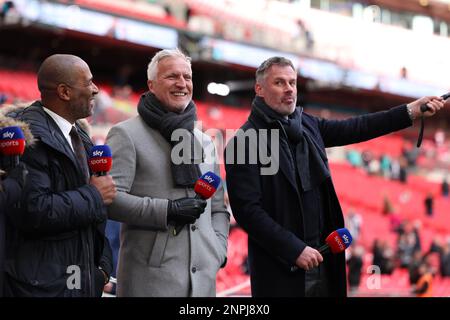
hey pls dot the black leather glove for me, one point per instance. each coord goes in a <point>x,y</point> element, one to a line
<point>185,210</point>
<point>19,173</point>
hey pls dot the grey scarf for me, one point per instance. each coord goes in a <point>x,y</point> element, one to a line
<point>158,117</point>
<point>309,157</point>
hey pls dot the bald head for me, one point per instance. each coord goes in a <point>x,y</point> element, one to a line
<point>66,85</point>
<point>57,69</point>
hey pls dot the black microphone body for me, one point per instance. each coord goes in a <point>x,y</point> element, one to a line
<point>424,108</point>
<point>324,249</point>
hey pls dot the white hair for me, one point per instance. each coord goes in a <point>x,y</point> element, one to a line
<point>166,53</point>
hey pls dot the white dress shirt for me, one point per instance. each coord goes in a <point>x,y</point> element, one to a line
<point>62,123</point>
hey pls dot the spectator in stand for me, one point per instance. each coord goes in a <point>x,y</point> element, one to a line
<point>3,98</point>
<point>395,169</point>
<point>407,246</point>
<point>429,204</point>
<point>388,207</point>
<point>377,252</point>
<point>353,223</point>
<point>102,103</point>
<point>403,172</point>
<point>385,166</point>
<point>355,264</point>
<point>436,245</point>
<point>444,187</point>
<point>122,92</point>
<point>403,72</point>
<point>366,157</point>
<point>424,287</point>
<point>354,158</point>
<point>444,261</point>
<point>410,154</point>
<point>383,256</point>
<point>416,227</point>
<point>395,221</point>
<point>245,266</point>
<point>374,167</point>
<point>439,137</point>
<point>414,266</point>
<point>6,7</point>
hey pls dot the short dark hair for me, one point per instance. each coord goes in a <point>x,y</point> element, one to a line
<point>278,61</point>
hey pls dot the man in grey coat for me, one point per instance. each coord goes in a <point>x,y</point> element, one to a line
<point>156,195</point>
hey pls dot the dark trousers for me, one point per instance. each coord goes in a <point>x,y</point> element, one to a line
<point>316,282</point>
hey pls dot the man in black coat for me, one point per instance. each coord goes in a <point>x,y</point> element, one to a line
<point>280,187</point>
<point>56,246</point>
<point>10,192</point>
<point>12,180</point>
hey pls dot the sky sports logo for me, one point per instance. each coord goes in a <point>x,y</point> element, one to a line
<point>95,161</point>
<point>205,185</point>
<point>339,242</point>
<point>9,143</point>
<point>8,135</point>
<point>346,239</point>
<point>97,153</point>
<point>209,179</point>
<point>12,141</point>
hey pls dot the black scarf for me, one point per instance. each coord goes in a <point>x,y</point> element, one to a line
<point>309,157</point>
<point>158,117</point>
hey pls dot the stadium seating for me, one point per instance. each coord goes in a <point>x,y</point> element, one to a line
<point>18,84</point>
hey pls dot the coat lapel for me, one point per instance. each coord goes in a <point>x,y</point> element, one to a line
<point>55,135</point>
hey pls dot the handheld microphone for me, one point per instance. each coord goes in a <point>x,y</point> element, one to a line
<point>204,188</point>
<point>206,185</point>
<point>424,108</point>
<point>12,145</point>
<point>337,241</point>
<point>100,159</point>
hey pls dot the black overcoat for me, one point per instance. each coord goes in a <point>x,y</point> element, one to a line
<point>268,207</point>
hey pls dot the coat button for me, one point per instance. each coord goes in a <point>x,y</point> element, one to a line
<point>193,227</point>
<point>194,269</point>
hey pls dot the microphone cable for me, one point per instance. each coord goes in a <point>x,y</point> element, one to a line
<point>423,109</point>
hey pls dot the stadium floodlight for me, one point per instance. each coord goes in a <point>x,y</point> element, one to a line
<point>218,88</point>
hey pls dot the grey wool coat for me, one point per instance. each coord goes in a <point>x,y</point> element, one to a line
<point>152,261</point>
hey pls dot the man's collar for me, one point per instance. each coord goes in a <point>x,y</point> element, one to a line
<point>62,123</point>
